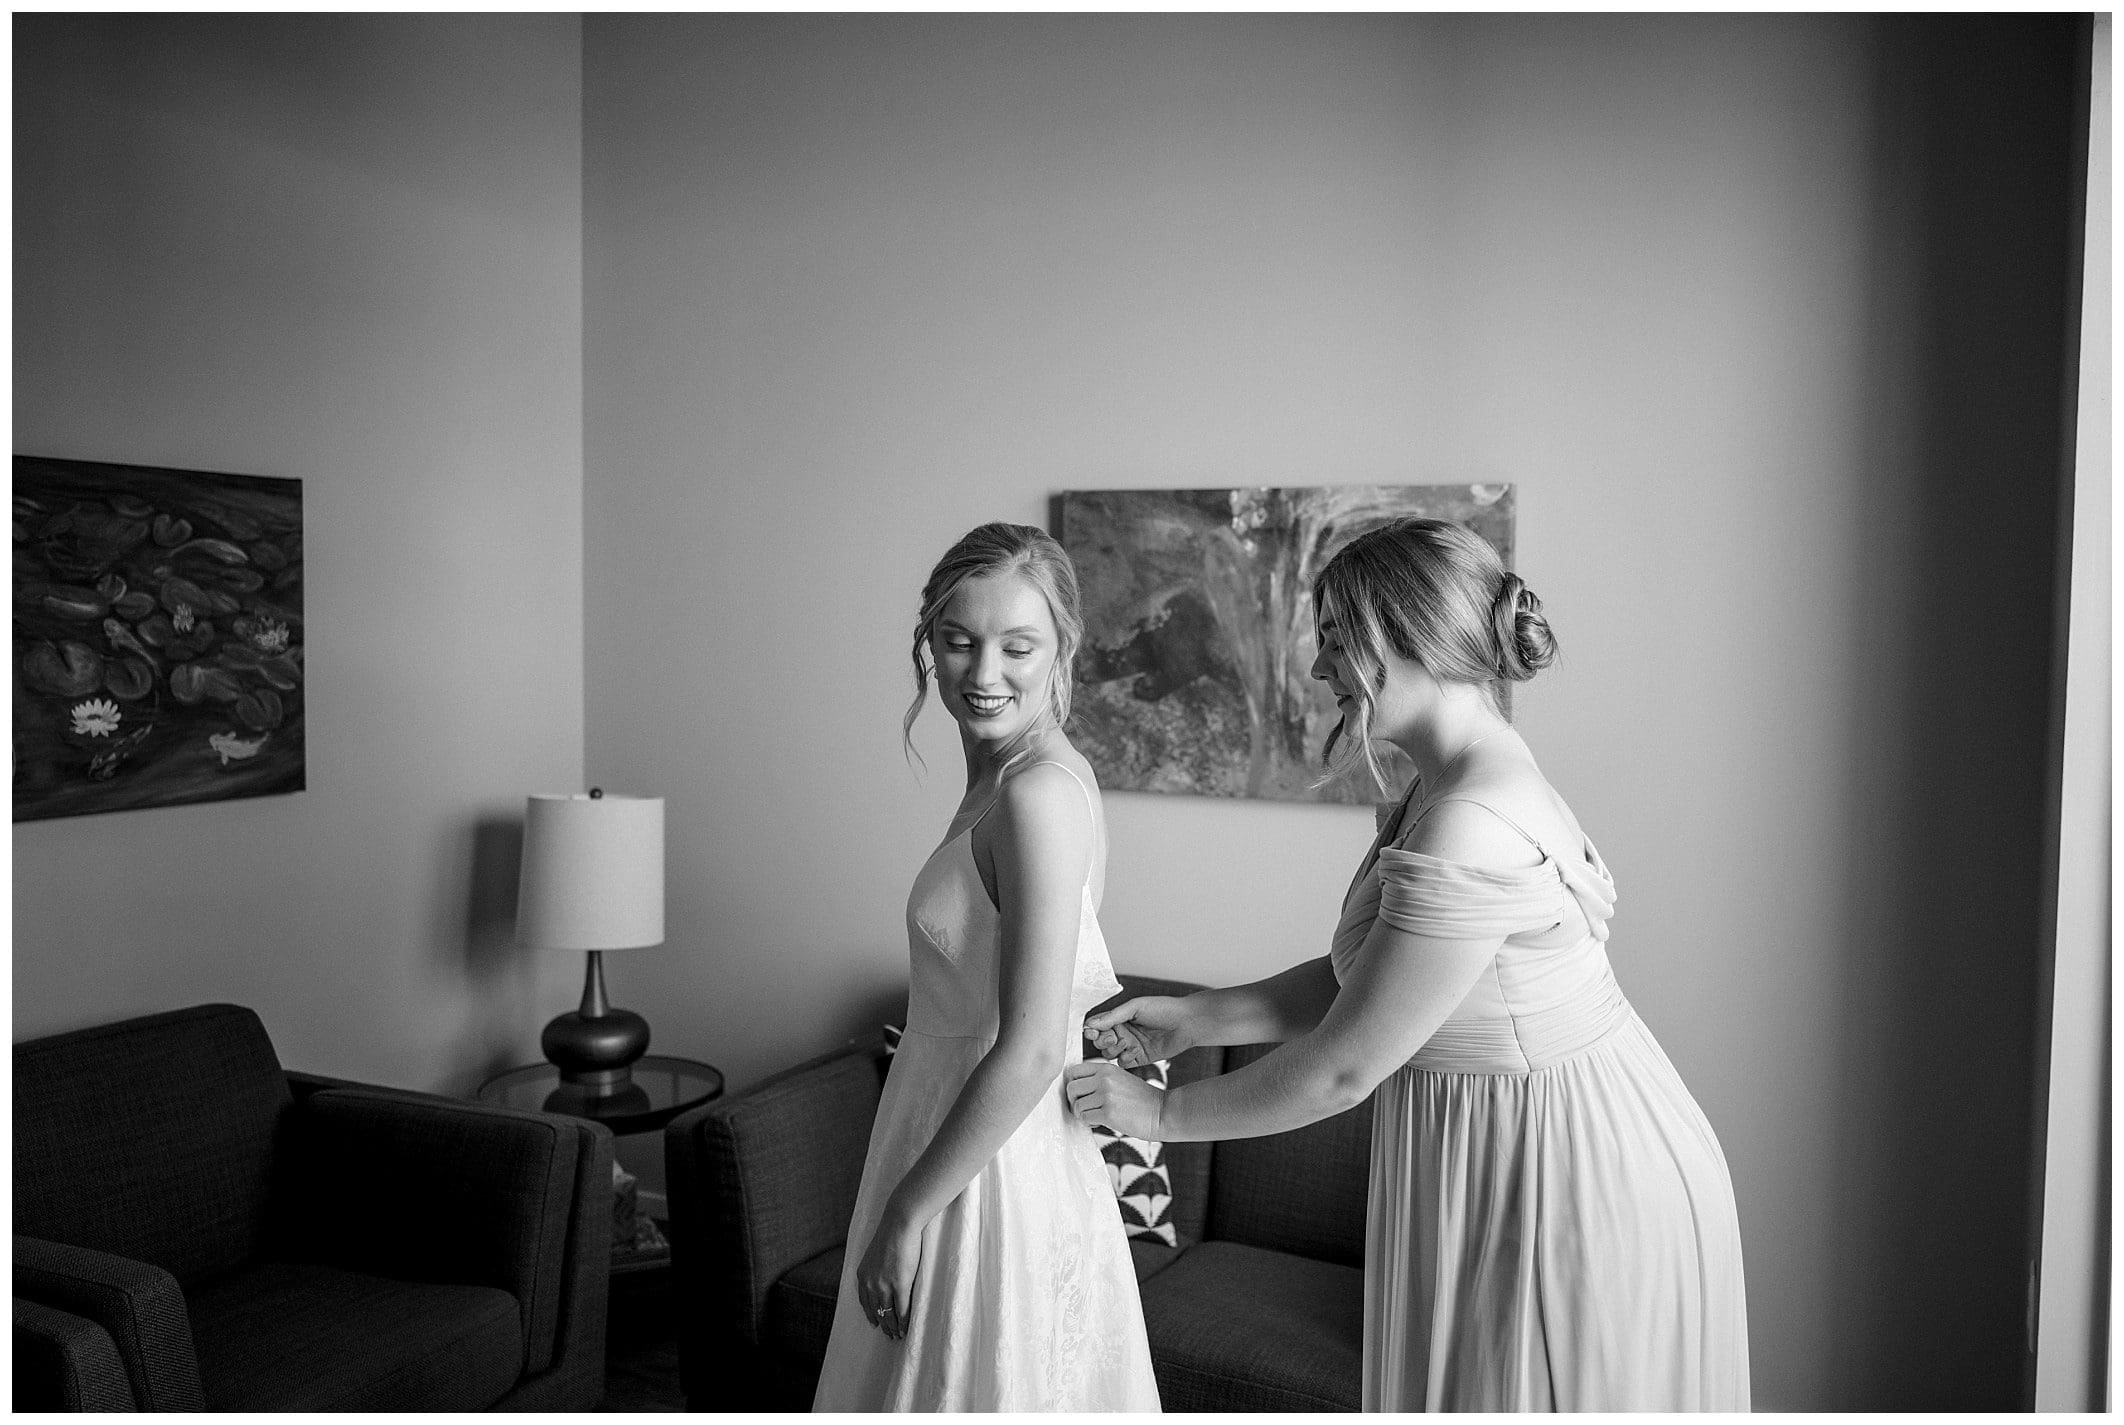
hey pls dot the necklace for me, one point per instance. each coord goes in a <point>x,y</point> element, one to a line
<point>1469,747</point>
<point>1417,786</point>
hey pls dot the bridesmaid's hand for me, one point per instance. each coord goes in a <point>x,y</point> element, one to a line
<point>1141,1031</point>
<point>885,1278</point>
<point>1108,1097</point>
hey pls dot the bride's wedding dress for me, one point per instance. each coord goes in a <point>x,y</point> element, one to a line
<point>1026,1294</point>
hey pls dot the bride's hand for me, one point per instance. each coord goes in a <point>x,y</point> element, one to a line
<point>1141,1031</point>
<point>1108,1097</point>
<point>885,1278</point>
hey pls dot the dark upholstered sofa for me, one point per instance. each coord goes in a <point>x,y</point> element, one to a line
<point>1259,1308</point>
<point>196,1228</point>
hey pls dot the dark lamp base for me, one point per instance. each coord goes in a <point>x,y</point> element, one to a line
<point>596,1053</point>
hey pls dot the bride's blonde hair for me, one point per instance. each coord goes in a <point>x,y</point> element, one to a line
<point>1000,548</point>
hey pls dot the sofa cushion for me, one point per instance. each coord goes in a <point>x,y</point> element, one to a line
<point>1153,1256</point>
<point>152,1138</point>
<point>284,1336</point>
<point>1234,1327</point>
<point>1302,1192</point>
<point>429,1190</point>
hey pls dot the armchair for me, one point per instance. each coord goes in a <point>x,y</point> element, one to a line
<point>196,1228</point>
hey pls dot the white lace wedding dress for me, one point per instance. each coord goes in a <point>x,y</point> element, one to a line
<point>1026,1295</point>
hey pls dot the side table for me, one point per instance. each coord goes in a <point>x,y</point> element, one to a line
<point>663,1087</point>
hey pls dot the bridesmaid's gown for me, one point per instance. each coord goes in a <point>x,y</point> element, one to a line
<point>1026,1295</point>
<point>1552,1226</point>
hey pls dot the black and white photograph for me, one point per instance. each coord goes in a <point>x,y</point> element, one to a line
<point>1088,712</point>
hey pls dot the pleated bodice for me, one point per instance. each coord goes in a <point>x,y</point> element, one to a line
<point>1549,993</point>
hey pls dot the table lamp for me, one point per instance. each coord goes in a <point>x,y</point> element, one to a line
<point>593,880</point>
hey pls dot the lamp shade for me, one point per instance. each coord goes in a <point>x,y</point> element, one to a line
<point>593,873</point>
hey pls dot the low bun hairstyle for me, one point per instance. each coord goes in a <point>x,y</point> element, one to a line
<point>1436,593</point>
<point>1525,645</point>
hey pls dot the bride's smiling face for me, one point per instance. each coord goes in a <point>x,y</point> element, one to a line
<point>994,647</point>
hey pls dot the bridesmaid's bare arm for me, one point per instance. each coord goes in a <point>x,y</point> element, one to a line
<point>1400,990</point>
<point>1269,1011</point>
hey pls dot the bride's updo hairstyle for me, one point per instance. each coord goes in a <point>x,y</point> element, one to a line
<point>999,548</point>
<point>1436,593</point>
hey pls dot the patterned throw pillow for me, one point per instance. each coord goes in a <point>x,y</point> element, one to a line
<point>1134,1167</point>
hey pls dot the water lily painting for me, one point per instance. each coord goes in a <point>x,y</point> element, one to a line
<point>158,637</point>
<point>1198,606</point>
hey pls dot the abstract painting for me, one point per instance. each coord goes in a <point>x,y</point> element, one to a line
<point>158,637</point>
<point>1198,604</point>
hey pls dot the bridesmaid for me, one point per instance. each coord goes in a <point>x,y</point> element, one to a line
<point>1552,1226</point>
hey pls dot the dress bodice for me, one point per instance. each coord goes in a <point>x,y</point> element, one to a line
<point>954,947</point>
<point>1548,993</point>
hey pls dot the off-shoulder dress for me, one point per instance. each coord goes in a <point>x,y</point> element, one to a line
<point>1552,1224</point>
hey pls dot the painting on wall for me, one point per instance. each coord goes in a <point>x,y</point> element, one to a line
<point>158,637</point>
<point>1198,604</point>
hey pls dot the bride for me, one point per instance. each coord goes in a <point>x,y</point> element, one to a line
<point>988,1268</point>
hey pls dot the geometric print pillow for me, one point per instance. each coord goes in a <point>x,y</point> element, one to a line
<point>1136,1168</point>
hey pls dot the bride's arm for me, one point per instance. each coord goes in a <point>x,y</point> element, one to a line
<point>1042,846</point>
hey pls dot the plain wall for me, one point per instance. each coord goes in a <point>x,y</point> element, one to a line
<point>347,251</point>
<point>1761,314</point>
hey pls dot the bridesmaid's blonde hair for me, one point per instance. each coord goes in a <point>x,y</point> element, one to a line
<point>999,548</point>
<point>1437,594</point>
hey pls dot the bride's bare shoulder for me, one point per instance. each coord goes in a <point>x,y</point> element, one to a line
<point>1048,791</point>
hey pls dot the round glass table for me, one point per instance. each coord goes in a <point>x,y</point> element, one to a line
<point>661,1089</point>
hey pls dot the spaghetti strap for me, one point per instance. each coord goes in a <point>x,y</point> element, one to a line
<point>1088,802</point>
<point>1090,805</point>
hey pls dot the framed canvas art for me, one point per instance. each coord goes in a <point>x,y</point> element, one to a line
<point>158,637</point>
<point>1198,605</point>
